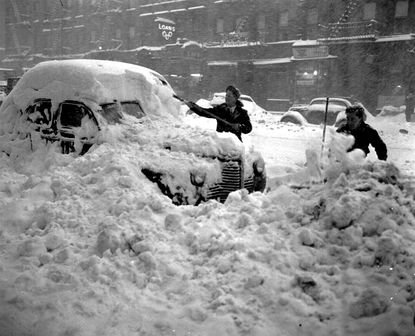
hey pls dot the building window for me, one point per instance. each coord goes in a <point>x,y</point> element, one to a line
<point>284,19</point>
<point>197,23</point>
<point>401,9</point>
<point>131,32</point>
<point>369,11</point>
<point>118,34</point>
<point>93,36</point>
<point>38,10</point>
<point>80,39</point>
<point>312,16</point>
<point>219,26</point>
<point>261,22</point>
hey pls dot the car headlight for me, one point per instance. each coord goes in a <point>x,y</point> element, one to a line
<point>197,178</point>
<point>259,166</point>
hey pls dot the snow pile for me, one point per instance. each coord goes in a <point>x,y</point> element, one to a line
<point>390,110</point>
<point>90,246</point>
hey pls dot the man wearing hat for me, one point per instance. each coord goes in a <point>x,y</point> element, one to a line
<point>230,116</point>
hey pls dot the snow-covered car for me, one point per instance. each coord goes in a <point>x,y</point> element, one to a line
<point>74,105</point>
<point>249,104</point>
<point>314,112</point>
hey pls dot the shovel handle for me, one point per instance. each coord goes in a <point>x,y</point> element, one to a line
<point>179,98</point>
<point>206,112</point>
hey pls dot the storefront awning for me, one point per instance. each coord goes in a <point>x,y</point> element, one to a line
<point>271,61</point>
<point>222,63</point>
<point>313,58</point>
<point>396,38</point>
<point>164,20</point>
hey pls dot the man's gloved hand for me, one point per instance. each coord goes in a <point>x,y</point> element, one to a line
<point>235,127</point>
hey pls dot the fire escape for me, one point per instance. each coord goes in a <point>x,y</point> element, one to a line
<point>346,28</point>
<point>103,16</point>
<point>56,31</point>
<point>16,29</point>
<point>239,35</point>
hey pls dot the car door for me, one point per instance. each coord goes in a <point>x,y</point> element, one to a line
<point>76,125</point>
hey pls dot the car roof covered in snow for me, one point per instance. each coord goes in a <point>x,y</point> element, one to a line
<point>88,75</point>
<point>96,81</point>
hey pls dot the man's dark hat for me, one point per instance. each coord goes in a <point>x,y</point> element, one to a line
<point>358,110</point>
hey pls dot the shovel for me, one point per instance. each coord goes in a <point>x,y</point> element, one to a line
<point>204,111</point>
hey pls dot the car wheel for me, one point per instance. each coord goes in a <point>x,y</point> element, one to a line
<point>290,119</point>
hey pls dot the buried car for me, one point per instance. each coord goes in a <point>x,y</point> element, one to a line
<point>314,112</point>
<point>74,106</point>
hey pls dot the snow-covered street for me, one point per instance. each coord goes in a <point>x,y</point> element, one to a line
<point>89,246</point>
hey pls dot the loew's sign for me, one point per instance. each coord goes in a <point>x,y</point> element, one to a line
<point>166,27</point>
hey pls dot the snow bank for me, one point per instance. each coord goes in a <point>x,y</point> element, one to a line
<point>89,246</point>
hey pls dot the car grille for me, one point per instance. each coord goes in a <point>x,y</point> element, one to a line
<point>231,181</point>
<point>249,183</point>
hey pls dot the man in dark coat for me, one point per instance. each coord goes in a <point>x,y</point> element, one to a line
<point>363,133</point>
<point>230,116</point>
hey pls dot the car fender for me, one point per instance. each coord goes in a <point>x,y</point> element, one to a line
<point>293,116</point>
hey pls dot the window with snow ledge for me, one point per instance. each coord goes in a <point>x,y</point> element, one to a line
<point>401,9</point>
<point>284,19</point>
<point>261,22</point>
<point>131,32</point>
<point>369,11</point>
<point>312,16</point>
<point>219,26</point>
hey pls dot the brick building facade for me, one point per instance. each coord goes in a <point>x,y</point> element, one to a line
<point>278,51</point>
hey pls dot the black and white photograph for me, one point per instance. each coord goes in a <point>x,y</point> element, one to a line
<point>207,168</point>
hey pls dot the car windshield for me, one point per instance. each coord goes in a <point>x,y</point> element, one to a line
<point>316,117</point>
<point>332,102</point>
<point>113,112</point>
<point>331,106</point>
<point>133,108</point>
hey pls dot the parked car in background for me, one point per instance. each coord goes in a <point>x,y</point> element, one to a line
<point>11,83</point>
<point>314,112</point>
<point>72,102</point>
<point>249,104</point>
